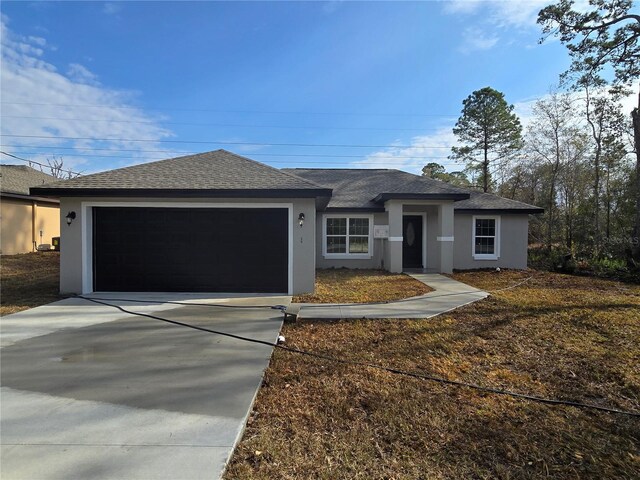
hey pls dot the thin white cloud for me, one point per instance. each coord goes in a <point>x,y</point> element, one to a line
<point>491,19</point>
<point>331,6</point>
<point>474,39</point>
<point>421,150</point>
<point>506,13</point>
<point>111,8</point>
<point>521,13</point>
<point>80,73</point>
<point>37,40</point>
<point>461,6</point>
<point>40,100</point>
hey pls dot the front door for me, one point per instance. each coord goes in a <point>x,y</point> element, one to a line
<point>412,241</point>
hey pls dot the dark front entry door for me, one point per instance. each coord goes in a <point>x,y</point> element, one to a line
<point>412,241</point>
<point>190,249</point>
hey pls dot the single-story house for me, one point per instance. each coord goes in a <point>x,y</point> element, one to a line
<point>26,221</point>
<point>220,222</point>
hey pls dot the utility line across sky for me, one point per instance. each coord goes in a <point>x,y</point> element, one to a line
<point>266,112</point>
<point>217,142</point>
<point>224,125</point>
<point>391,161</point>
<point>38,163</point>
<point>83,151</point>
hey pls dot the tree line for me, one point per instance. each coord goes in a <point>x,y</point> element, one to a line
<point>578,156</point>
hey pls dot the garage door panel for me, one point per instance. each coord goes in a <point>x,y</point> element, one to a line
<point>190,249</point>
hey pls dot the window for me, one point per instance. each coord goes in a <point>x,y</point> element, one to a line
<point>347,236</point>
<point>486,238</point>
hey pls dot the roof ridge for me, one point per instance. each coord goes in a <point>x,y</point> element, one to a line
<point>491,194</point>
<point>343,169</point>
<point>429,180</point>
<point>216,170</point>
<point>274,168</point>
<point>89,175</point>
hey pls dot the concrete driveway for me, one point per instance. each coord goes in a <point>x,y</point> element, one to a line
<point>90,392</point>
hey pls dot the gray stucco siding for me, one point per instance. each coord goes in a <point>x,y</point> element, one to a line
<point>73,254</point>
<point>513,238</point>
<point>379,245</point>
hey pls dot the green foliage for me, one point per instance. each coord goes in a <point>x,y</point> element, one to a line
<point>437,172</point>
<point>560,259</point>
<point>607,34</point>
<point>489,132</point>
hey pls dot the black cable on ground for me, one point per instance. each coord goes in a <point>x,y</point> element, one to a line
<point>192,304</point>
<point>279,307</point>
<point>497,391</point>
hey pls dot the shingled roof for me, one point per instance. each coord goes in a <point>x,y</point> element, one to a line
<point>485,202</point>
<point>218,173</point>
<point>224,174</point>
<point>17,179</point>
<point>367,189</point>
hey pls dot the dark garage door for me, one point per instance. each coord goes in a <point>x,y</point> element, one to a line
<point>190,249</point>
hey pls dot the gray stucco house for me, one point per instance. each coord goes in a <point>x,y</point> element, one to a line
<point>220,222</point>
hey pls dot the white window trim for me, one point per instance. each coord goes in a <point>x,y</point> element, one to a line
<point>86,222</point>
<point>484,256</point>
<point>346,255</point>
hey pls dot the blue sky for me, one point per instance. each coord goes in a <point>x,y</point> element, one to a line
<point>151,77</point>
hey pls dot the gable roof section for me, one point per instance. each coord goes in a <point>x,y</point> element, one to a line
<point>368,189</point>
<point>364,189</point>
<point>18,179</point>
<point>487,203</point>
<point>212,174</point>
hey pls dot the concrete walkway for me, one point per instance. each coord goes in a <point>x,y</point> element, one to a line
<point>447,294</point>
<point>90,392</point>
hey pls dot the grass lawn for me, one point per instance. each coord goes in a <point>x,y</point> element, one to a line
<point>360,286</point>
<point>28,280</point>
<point>557,336</point>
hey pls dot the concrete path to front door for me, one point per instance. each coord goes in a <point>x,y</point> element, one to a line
<point>447,294</point>
<point>89,392</point>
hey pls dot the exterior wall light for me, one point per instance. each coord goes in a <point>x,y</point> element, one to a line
<point>70,217</point>
<point>301,219</point>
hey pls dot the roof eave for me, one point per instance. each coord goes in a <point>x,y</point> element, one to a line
<point>23,196</point>
<point>481,211</point>
<point>383,197</point>
<point>182,193</point>
<point>355,209</point>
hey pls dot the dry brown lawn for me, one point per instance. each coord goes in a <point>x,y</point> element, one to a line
<point>360,286</point>
<point>557,336</point>
<point>28,280</point>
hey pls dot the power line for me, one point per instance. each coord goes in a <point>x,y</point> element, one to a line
<point>391,160</point>
<point>38,163</point>
<point>182,152</point>
<point>125,107</point>
<point>192,153</point>
<point>215,142</point>
<point>234,125</point>
<point>56,147</point>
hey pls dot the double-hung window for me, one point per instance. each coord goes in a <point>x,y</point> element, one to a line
<point>348,236</point>
<point>486,237</point>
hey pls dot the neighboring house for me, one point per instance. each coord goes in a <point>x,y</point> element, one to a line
<point>26,220</point>
<point>219,222</point>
